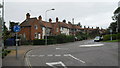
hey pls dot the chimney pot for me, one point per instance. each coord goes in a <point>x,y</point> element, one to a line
<point>40,18</point>
<point>50,20</point>
<point>27,16</point>
<point>64,21</point>
<point>57,19</point>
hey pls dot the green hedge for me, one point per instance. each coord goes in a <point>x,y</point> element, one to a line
<point>54,40</point>
<point>42,41</point>
<point>64,38</point>
<point>114,37</point>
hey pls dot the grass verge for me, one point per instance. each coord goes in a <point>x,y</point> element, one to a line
<point>112,41</point>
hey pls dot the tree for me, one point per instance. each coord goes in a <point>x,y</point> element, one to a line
<point>113,26</point>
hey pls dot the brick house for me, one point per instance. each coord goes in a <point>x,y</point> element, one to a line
<point>60,27</point>
<point>30,28</point>
<point>33,28</point>
<point>46,27</point>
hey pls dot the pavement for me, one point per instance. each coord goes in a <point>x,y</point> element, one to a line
<point>11,60</point>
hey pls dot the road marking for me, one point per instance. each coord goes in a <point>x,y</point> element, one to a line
<point>33,55</point>
<point>91,45</point>
<point>27,60</point>
<point>41,55</point>
<point>76,58</point>
<point>57,55</point>
<point>61,48</point>
<point>50,55</point>
<point>55,63</point>
<point>66,55</point>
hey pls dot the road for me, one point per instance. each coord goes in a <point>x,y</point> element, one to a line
<point>81,53</point>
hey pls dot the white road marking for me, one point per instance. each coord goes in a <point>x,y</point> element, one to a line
<point>76,58</point>
<point>57,55</point>
<point>61,48</point>
<point>66,55</point>
<point>41,55</point>
<point>27,60</point>
<point>50,55</point>
<point>91,45</point>
<point>55,63</point>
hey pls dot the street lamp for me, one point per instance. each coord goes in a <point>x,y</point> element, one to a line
<point>2,6</point>
<point>46,26</point>
<point>111,34</point>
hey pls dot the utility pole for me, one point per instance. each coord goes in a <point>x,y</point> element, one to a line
<point>3,25</point>
<point>46,26</point>
<point>73,28</point>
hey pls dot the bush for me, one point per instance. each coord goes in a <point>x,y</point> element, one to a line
<point>64,38</point>
<point>42,41</point>
<point>114,37</point>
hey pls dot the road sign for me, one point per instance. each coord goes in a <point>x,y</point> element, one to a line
<point>16,28</point>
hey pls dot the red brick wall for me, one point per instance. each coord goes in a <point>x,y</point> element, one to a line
<point>25,31</point>
<point>33,30</point>
<point>55,26</point>
<point>30,31</point>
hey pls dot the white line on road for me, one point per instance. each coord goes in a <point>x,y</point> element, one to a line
<point>41,55</point>
<point>91,45</point>
<point>55,63</point>
<point>27,60</point>
<point>57,55</point>
<point>50,55</point>
<point>61,48</point>
<point>66,54</point>
<point>76,58</point>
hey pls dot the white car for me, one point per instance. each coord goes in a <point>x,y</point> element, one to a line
<point>97,39</point>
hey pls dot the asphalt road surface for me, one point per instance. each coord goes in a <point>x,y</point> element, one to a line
<point>81,53</point>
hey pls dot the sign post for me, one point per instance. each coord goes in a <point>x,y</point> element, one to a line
<point>16,29</point>
<point>111,34</point>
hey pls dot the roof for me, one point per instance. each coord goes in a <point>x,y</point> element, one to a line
<point>62,24</point>
<point>46,24</point>
<point>27,22</point>
<point>77,27</point>
<point>70,25</point>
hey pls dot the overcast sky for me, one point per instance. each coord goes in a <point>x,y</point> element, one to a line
<point>89,12</point>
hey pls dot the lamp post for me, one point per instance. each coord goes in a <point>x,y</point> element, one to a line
<point>2,6</point>
<point>46,26</point>
<point>111,34</point>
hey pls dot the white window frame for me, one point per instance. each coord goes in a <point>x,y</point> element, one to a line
<point>36,27</point>
<point>35,35</point>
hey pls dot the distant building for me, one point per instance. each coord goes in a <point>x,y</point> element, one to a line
<point>33,28</point>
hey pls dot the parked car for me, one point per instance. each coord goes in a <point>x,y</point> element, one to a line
<point>98,38</point>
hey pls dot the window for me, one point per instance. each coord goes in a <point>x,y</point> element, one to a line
<point>57,30</point>
<point>36,27</point>
<point>36,35</point>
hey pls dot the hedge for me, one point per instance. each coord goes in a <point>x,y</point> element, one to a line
<point>42,41</point>
<point>114,37</point>
<point>54,40</point>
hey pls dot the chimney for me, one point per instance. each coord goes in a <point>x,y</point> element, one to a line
<point>40,18</point>
<point>92,27</point>
<point>57,19</point>
<point>69,22</point>
<point>88,27</point>
<point>50,20</point>
<point>27,16</point>
<point>84,26</point>
<point>64,21</point>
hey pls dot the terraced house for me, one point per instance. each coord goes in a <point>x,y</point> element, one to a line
<point>36,28</point>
